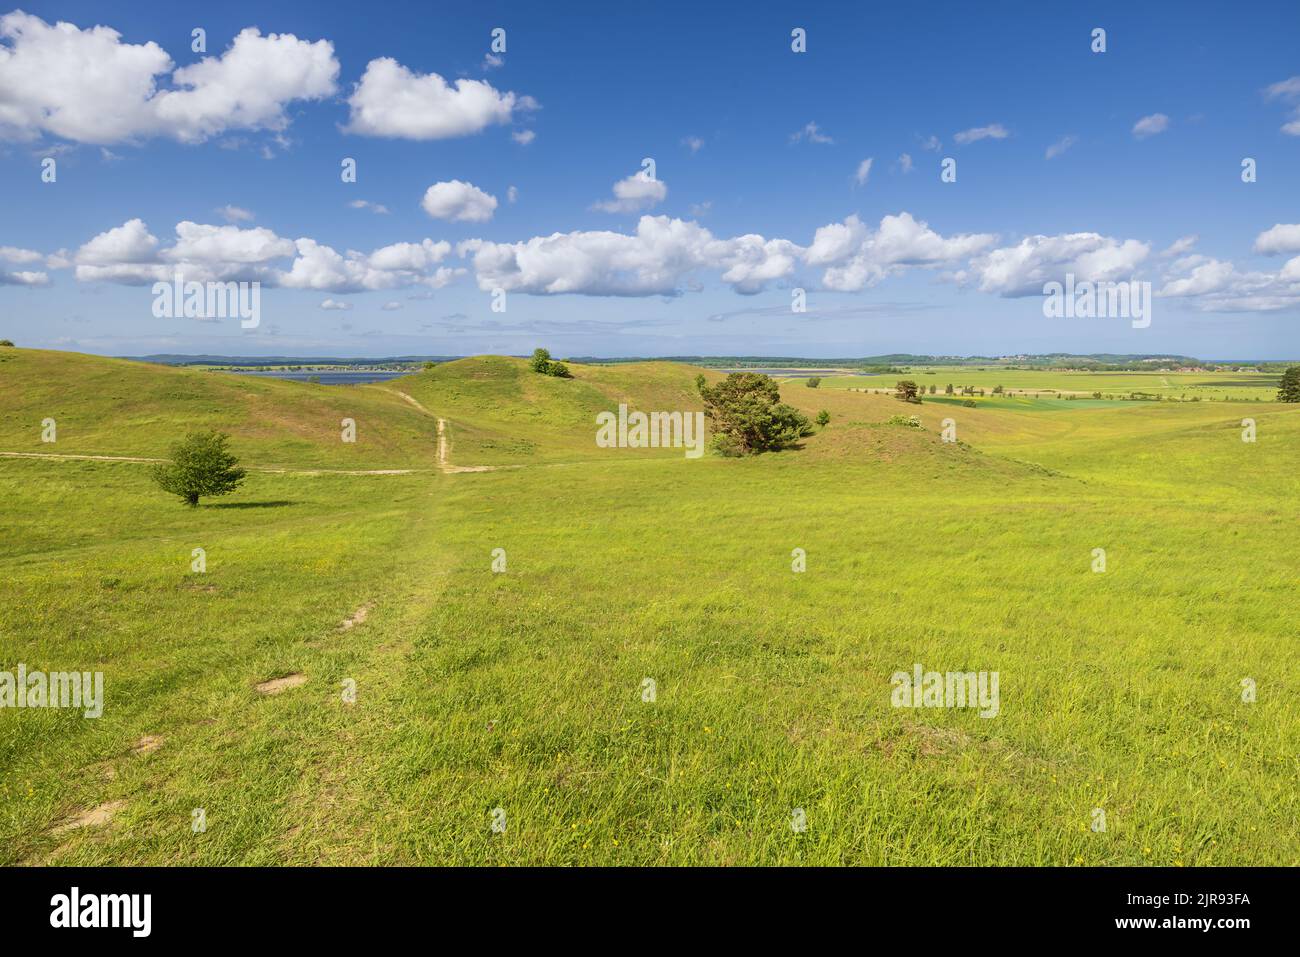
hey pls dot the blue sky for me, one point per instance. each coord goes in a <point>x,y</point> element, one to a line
<point>759,188</point>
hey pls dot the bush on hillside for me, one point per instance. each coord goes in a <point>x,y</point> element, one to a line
<point>910,421</point>
<point>823,418</point>
<point>6,342</point>
<point>748,415</point>
<point>813,382</point>
<point>200,465</point>
<point>541,362</point>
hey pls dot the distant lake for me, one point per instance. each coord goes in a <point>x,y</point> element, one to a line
<point>327,377</point>
<point>796,373</point>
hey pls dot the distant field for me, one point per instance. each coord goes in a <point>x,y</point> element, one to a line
<point>523,690</point>
<point>1172,385</point>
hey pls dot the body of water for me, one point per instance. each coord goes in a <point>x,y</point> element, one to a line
<point>330,377</point>
<point>796,373</point>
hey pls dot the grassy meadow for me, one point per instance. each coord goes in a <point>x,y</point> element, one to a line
<point>523,690</point>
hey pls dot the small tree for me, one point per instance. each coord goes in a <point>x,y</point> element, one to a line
<point>1290,388</point>
<point>542,362</point>
<point>7,342</point>
<point>906,391</point>
<point>997,390</point>
<point>748,415</point>
<point>823,418</point>
<point>200,465</point>
<point>948,391</point>
<point>933,388</point>
<point>813,382</point>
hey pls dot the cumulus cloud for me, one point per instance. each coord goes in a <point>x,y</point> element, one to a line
<point>857,257</point>
<point>1060,146</point>
<point>655,260</point>
<point>994,131</point>
<point>24,277</point>
<point>662,255</point>
<point>905,163</point>
<point>14,254</point>
<point>90,87</point>
<point>1281,238</point>
<point>459,202</point>
<point>1210,285</point>
<point>523,137</point>
<point>335,305</point>
<point>197,243</point>
<point>1022,269</point>
<point>130,255</point>
<point>1150,125</point>
<point>863,171</point>
<point>392,101</point>
<point>633,194</point>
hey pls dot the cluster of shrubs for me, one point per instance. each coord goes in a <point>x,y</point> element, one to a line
<point>543,363</point>
<point>910,421</point>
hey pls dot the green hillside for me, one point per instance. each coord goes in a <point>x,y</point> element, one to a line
<point>524,689</point>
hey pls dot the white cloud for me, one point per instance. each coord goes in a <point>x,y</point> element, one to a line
<point>1289,91</point>
<point>335,305</point>
<point>523,137</point>
<point>493,61</point>
<point>130,255</point>
<point>1211,285</point>
<point>812,133</point>
<point>392,101</point>
<point>459,202</point>
<point>377,208</point>
<point>905,163</point>
<point>235,214</point>
<point>23,278</point>
<point>633,194</point>
<point>1022,269</point>
<point>196,243</point>
<point>1060,146</point>
<point>90,87</point>
<point>655,260</point>
<point>857,257</point>
<point>1150,125</point>
<point>994,131</point>
<point>932,142</point>
<point>693,143</point>
<point>512,194</point>
<point>1281,238</point>
<point>15,255</point>
<point>391,306</point>
<point>1180,245</point>
<point>863,171</point>
<point>129,243</point>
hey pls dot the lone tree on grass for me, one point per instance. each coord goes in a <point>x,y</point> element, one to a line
<point>906,391</point>
<point>200,465</point>
<point>748,415</point>
<point>813,382</point>
<point>823,418</point>
<point>1290,390</point>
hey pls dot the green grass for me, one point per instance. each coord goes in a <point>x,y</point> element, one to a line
<point>523,690</point>
<point>1207,386</point>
